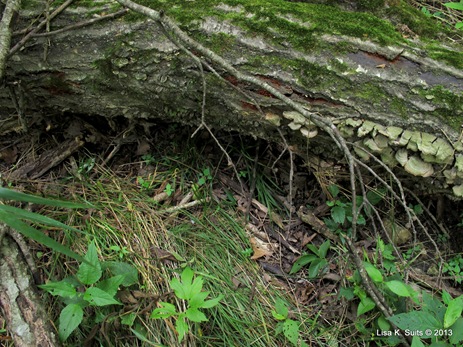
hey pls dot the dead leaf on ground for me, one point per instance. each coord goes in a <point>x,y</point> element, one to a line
<point>260,248</point>
<point>161,254</point>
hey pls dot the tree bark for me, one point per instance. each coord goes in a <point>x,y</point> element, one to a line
<point>21,305</point>
<point>393,97</point>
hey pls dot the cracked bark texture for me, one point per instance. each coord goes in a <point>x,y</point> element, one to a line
<point>21,305</point>
<point>129,68</point>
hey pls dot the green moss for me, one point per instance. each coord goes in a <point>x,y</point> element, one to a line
<point>399,107</point>
<point>449,105</point>
<point>416,21</point>
<point>272,17</point>
<point>453,58</point>
<point>370,5</point>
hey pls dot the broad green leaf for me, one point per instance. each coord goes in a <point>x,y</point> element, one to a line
<point>338,214</point>
<point>333,189</point>
<point>415,320</point>
<point>278,316</point>
<point>111,285</point>
<point>375,196</point>
<point>446,297</point>
<point>69,319</point>
<point>373,272</point>
<point>455,5</point>
<point>365,306</point>
<point>281,308</point>
<point>347,293</point>
<point>178,288</point>
<point>129,271</point>
<point>212,302</point>
<point>440,344</point>
<point>167,310</point>
<point>61,288</point>
<point>291,331</point>
<point>323,250</point>
<point>8,194</point>
<point>36,217</point>
<point>301,262</point>
<point>383,324</point>
<point>416,342</point>
<point>398,287</point>
<point>90,271</point>
<point>198,299</point>
<point>316,267</point>
<point>453,312</point>
<point>187,276</point>
<point>128,319</point>
<point>434,306</point>
<point>457,332</point>
<point>195,287</point>
<point>459,25</point>
<point>313,248</point>
<point>34,234</point>
<point>97,297</point>
<point>195,315</point>
<point>182,328</point>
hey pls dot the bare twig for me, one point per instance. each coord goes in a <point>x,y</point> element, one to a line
<point>26,38</point>
<point>11,7</point>
<point>83,24</point>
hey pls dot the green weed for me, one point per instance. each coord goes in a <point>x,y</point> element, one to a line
<point>88,289</point>
<point>191,291</point>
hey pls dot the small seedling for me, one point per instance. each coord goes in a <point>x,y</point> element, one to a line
<point>287,326</point>
<point>454,267</point>
<point>87,289</point>
<point>169,190</point>
<point>189,290</point>
<point>144,184</point>
<point>317,260</point>
<point>121,251</point>
<point>204,177</point>
<point>148,159</point>
<point>86,166</point>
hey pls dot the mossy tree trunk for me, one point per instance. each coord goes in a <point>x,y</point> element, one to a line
<point>388,86</point>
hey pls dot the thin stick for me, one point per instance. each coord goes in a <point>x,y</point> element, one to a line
<point>26,38</point>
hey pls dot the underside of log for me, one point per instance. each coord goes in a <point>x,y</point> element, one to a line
<point>392,95</point>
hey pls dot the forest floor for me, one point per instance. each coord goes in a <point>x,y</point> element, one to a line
<point>260,227</point>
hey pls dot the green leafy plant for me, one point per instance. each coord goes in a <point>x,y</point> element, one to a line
<point>454,267</point>
<point>317,260</point>
<point>16,218</point>
<point>145,185</point>
<point>121,251</point>
<point>440,321</point>
<point>86,166</point>
<point>148,159</point>
<point>87,288</point>
<point>169,190</point>
<point>289,327</point>
<point>428,13</point>
<point>341,210</point>
<point>204,176</point>
<point>189,290</point>
<point>456,6</point>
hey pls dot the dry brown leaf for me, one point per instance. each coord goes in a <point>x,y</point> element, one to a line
<point>161,254</point>
<point>260,248</point>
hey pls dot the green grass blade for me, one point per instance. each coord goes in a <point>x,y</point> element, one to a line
<point>36,235</point>
<point>36,218</point>
<point>8,194</point>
